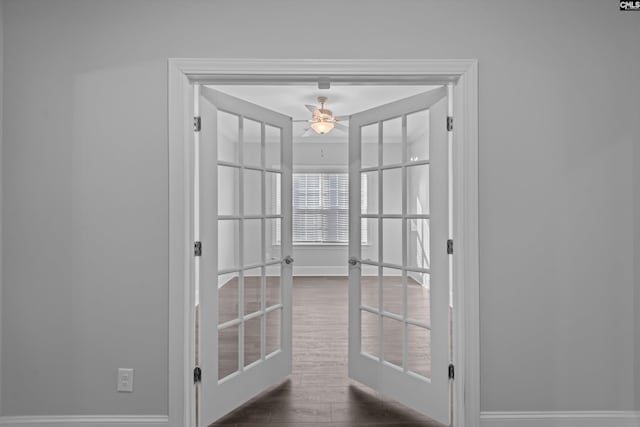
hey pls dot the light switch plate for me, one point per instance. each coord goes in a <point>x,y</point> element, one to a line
<point>125,380</point>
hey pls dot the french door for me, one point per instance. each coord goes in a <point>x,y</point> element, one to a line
<point>244,225</point>
<point>399,274</point>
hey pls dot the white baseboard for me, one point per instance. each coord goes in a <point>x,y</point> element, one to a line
<point>326,270</point>
<point>561,419</point>
<point>86,421</point>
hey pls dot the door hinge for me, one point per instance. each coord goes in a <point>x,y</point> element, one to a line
<point>451,371</point>
<point>197,375</point>
<point>450,247</point>
<point>197,124</point>
<point>197,248</point>
<point>449,123</point>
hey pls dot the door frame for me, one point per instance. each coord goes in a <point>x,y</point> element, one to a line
<point>183,72</point>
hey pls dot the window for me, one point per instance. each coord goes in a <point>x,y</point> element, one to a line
<point>321,208</point>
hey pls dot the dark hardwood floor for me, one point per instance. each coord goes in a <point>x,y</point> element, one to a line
<point>319,393</point>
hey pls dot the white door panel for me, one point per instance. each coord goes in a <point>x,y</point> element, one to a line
<point>245,283</point>
<point>398,279</point>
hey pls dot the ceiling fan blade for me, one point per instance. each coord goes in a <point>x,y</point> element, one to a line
<point>302,120</point>
<point>311,108</point>
<point>341,118</point>
<point>307,132</point>
<point>341,127</point>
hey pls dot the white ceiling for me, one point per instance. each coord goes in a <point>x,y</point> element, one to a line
<point>342,100</point>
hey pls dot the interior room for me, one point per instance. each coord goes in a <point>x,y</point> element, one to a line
<point>320,210</point>
<point>88,283</point>
<point>315,155</point>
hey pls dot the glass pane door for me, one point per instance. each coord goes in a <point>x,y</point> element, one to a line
<point>398,301</point>
<point>245,287</point>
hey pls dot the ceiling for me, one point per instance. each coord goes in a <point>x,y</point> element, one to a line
<point>342,100</point>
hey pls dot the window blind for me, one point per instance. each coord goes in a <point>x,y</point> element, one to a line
<point>321,208</point>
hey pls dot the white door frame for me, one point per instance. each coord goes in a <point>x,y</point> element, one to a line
<point>182,72</point>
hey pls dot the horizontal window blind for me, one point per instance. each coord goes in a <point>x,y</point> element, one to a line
<point>321,208</point>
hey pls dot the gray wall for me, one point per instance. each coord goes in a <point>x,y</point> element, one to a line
<point>636,182</point>
<point>85,184</point>
<point>1,131</point>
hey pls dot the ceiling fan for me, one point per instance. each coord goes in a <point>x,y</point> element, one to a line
<point>322,120</point>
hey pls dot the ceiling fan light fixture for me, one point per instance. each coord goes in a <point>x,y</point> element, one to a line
<point>322,127</point>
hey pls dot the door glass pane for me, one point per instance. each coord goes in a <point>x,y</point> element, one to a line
<point>228,190</point>
<point>369,326</point>
<point>273,289</point>
<point>392,340</point>
<point>252,241</point>
<point>252,340</point>
<point>273,248</point>
<point>392,191</point>
<point>369,290</point>
<point>370,247</point>
<point>392,241</point>
<point>272,148</point>
<point>228,137</point>
<point>418,243</point>
<point>252,290</point>
<point>252,192</point>
<point>392,295</point>
<point>272,193</point>
<point>369,145</point>
<point>418,189</point>
<point>369,270</point>
<point>419,350</point>
<point>418,136</point>
<point>392,141</point>
<point>228,244</point>
<point>228,348</point>
<point>228,297</point>
<point>369,190</point>
<point>418,298</point>
<point>273,330</point>
<point>252,143</point>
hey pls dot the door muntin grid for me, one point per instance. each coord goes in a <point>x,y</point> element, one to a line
<point>243,341</point>
<point>395,322</point>
<point>250,331</point>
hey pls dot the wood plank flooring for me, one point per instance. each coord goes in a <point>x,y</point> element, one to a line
<point>319,393</point>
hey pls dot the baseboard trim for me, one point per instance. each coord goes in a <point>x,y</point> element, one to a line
<point>561,419</point>
<point>339,270</point>
<point>326,270</point>
<point>86,421</point>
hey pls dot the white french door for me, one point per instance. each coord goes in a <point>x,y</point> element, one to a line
<point>244,268</point>
<point>399,278</point>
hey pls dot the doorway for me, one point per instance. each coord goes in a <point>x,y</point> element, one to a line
<point>319,391</point>
<point>381,263</point>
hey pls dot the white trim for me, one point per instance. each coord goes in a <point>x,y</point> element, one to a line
<point>1,184</point>
<point>434,70</point>
<point>324,270</point>
<point>86,420</point>
<point>320,169</point>
<point>467,384</point>
<point>181,342</point>
<point>561,419</point>
<point>466,268</point>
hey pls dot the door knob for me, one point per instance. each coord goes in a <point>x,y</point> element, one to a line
<point>353,260</point>
<point>288,259</point>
